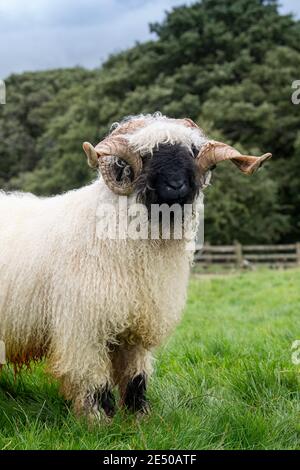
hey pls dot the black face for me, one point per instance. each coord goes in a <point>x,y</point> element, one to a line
<point>169,177</point>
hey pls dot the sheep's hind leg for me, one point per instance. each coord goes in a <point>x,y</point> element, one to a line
<point>132,365</point>
<point>135,398</point>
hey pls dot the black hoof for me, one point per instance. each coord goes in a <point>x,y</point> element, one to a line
<point>108,402</point>
<point>135,397</point>
<point>103,399</point>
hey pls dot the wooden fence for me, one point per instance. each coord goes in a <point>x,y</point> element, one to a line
<point>246,256</point>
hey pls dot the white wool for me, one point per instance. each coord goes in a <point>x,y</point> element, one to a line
<point>69,294</point>
<point>162,130</point>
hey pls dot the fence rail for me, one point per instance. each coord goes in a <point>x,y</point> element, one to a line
<point>238,255</point>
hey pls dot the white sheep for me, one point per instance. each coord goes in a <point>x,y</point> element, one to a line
<point>97,307</point>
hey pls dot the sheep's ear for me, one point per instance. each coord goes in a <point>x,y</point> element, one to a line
<point>91,154</point>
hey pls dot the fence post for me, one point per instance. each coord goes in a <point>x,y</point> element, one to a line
<point>238,254</point>
<point>298,253</point>
<point>209,259</point>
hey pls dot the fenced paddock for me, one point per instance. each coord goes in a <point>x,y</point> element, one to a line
<point>248,256</point>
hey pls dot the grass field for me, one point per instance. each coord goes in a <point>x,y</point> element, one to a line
<point>225,379</point>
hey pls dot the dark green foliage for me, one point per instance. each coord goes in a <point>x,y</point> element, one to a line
<point>227,65</point>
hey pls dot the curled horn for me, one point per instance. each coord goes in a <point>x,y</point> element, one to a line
<point>114,146</point>
<point>214,152</point>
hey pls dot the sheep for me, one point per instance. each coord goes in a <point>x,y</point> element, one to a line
<point>96,308</point>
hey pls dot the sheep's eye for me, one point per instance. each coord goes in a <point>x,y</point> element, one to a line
<point>195,151</point>
<point>123,171</point>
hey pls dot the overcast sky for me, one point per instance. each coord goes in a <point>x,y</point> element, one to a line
<point>42,34</point>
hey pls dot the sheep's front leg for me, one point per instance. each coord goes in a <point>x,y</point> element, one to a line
<point>97,400</point>
<point>132,366</point>
<point>88,381</point>
<point>93,401</point>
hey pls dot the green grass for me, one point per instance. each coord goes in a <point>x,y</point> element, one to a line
<point>225,379</point>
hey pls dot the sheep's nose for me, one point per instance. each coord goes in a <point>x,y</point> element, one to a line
<point>177,187</point>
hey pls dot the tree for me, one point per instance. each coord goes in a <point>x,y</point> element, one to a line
<point>227,65</point>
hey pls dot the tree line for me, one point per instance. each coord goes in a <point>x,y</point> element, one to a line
<point>228,65</point>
